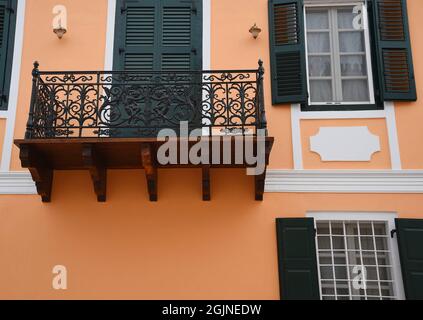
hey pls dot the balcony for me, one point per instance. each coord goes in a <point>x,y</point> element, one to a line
<point>99,121</point>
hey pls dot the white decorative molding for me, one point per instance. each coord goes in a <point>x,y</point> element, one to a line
<point>17,183</point>
<point>10,114</point>
<point>287,181</point>
<point>206,34</point>
<point>388,114</point>
<point>345,144</point>
<point>344,181</point>
<point>110,35</point>
<point>391,124</point>
<point>296,136</point>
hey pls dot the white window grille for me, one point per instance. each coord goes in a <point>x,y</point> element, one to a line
<point>346,248</point>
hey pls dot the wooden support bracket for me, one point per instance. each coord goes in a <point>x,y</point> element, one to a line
<point>150,169</point>
<point>206,183</point>
<point>260,180</point>
<point>259,186</point>
<point>40,171</point>
<point>98,171</point>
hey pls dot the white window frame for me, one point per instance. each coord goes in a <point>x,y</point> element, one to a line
<point>341,3</point>
<point>389,218</point>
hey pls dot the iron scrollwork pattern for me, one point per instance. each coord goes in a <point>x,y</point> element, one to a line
<point>130,104</point>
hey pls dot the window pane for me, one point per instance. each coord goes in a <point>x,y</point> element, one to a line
<point>323,242</point>
<point>342,288</point>
<point>319,66</point>
<point>337,228</point>
<point>326,273</point>
<point>355,90</point>
<point>328,287</point>
<point>369,259</point>
<point>387,289</point>
<point>354,258</point>
<point>367,243</point>
<point>321,90</point>
<point>318,42</point>
<point>340,258</point>
<point>323,228</point>
<point>338,243</point>
<point>351,229</point>
<point>352,243</point>
<point>317,20</point>
<point>353,65</point>
<point>385,273</point>
<point>366,228</point>
<point>346,18</point>
<point>371,273</point>
<point>380,228</point>
<point>351,41</point>
<point>373,290</point>
<point>325,257</point>
<point>381,244</point>
<point>383,259</point>
<point>341,273</point>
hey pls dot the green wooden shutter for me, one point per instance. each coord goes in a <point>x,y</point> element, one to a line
<point>410,242</point>
<point>159,35</point>
<point>298,275</point>
<point>7,25</point>
<point>393,50</point>
<point>287,51</point>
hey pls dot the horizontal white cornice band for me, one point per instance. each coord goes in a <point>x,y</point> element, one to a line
<point>16,183</point>
<point>307,181</point>
<point>345,181</point>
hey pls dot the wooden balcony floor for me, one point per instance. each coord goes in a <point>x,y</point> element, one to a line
<point>97,155</point>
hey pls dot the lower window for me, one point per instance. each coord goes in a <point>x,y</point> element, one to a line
<point>355,260</point>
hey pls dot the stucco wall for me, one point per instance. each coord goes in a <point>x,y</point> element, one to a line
<point>179,247</point>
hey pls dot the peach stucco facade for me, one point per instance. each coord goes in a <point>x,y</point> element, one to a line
<point>180,247</point>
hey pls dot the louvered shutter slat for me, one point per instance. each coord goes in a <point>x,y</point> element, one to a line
<point>394,56</point>
<point>7,21</point>
<point>177,38</point>
<point>140,26</point>
<point>287,51</point>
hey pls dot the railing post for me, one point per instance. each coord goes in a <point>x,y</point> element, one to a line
<point>261,108</point>
<point>34,93</point>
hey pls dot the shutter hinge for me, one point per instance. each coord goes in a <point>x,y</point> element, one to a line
<point>194,7</point>
<point>393,231</point>
<point>194,51</point>
<point>3,97</point>
<point>124,7</point>
<point>10,9</point>
<point>121,50</point>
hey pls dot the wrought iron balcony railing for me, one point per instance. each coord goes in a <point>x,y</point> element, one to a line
<point>139,104</point>
<point>81,121</point>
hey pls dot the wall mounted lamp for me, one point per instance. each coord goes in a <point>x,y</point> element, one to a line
<point>59,31</point>
<point>60,21</point>
<point>255,31</point>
